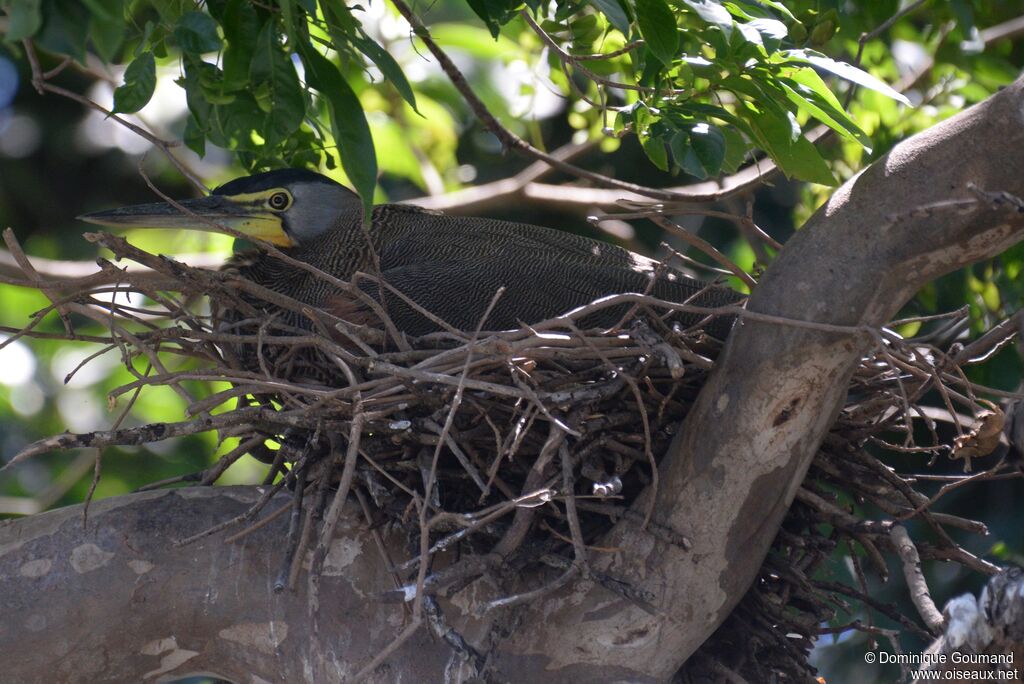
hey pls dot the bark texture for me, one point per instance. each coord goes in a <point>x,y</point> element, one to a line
<point>82,602</point>
<point>749,439</point>
<point>117,601</point>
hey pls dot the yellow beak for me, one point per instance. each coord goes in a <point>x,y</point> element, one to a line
<point>210,213</point>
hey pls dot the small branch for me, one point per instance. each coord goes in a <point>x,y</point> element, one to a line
<point>919,593</point>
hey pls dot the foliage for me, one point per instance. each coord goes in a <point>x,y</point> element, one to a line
<point>700,83</point>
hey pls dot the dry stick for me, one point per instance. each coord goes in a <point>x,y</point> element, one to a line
<point>533,595</point>
<point>645,420</point>
<point>423,507</point>
<point>378,540</point>
<point>704,246</point>
<point>247,515</point>
<point>314,513</point>
<point>337,503</point>
<point>571,514</point>
<point>284,573</point>
<point>262,522</point>
<point>919,593</point>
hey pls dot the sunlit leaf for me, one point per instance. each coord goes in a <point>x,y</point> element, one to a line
<point>713,13</point>
<point>844,70</point>
<point>796,158</point>
<point>654,148</point>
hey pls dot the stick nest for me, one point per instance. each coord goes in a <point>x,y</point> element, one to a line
<point>518,450</point>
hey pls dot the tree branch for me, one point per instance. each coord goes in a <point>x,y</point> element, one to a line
<point>746,444</point>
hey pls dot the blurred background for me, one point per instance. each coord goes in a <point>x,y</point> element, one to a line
<point>59,159</point>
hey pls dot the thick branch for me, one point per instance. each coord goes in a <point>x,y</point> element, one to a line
<point>118,601</point>
<point>748,441</point>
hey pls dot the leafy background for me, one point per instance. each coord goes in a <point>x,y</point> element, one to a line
<point>248,86</point>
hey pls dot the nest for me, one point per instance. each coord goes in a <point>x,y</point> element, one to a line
<point>526,445</point>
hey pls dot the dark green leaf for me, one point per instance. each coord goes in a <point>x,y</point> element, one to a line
<point>196,33</point>
<point>24,18</point>
<point>65,29</point>
<point>139,84</point>
<point>708,145</point>
<point>685,157</point>
<point>171,10</point>
<point>658,27</point>
<point>280,94</point>
<point>494,13</point>
<point>241,27</point>
<point>348,122</point>
<point>195,137</point>
<point>108,27</point>
<point>615,13</point>
<point>232,125</point>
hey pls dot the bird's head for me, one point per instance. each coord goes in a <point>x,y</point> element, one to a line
<point>285,207</point>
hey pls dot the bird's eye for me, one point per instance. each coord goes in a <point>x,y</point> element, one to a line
<point>279,201</point>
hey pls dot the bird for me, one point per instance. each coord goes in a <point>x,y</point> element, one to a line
<point>450,266</point>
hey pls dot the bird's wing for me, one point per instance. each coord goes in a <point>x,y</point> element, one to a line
<point>416,238</point>
<point>460,291</point>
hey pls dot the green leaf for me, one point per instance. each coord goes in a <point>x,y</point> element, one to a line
<point>196,33</point>
<point>843,70</point>
<point>615,13</point>
<point>232,125</point>
<point>780,8</point>
<point>388,67</point>
<point>281,100</point>
<point>139,84</point>
<point>736,149</point>
<point>796,158</point>
<point>241,27</point>
<point>654,148</point>
<point>195,137</point>
<point>657,25</point>
<point>107,27</point>
<point>65,29</point>
<point>823,107</point>
<point>712,13</point>
<point>494,13</point>
<point>348,122</point>
<point>24,18</point>
<point>708,145</point>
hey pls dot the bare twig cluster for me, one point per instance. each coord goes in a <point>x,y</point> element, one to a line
<point>511,454</point>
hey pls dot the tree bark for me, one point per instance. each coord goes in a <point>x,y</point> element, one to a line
<point>80,601</point>
<point>748,441</point>
<point>117,601</point>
